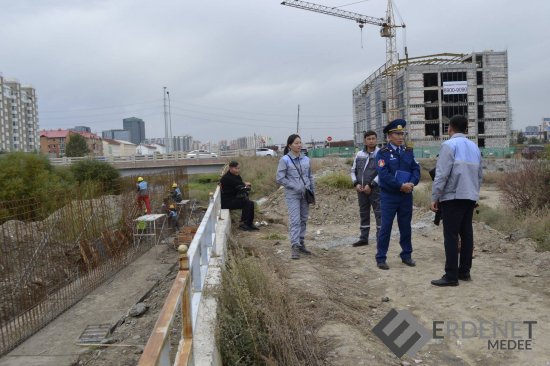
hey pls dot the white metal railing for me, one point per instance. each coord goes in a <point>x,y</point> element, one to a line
<point>131,158</point>
<point>178,155</point>
<point>185,294</point>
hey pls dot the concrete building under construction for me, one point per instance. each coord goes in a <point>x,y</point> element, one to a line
<point>429,90</point>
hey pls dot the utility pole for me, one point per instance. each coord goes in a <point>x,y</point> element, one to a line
<point>170,136</point>
<point>298,121</point>
<point>166,141</point>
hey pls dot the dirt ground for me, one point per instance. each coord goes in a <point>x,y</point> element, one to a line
<point>342,287</point>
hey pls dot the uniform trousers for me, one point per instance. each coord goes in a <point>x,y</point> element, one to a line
<point>393,204</point>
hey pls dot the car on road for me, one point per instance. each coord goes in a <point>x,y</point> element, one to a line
<point>264,151</point>
<point>201,154</point>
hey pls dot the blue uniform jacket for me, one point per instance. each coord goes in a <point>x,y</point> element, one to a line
<point>389,162</point>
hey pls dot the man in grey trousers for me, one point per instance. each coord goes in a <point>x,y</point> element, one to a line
<point>365,180</point>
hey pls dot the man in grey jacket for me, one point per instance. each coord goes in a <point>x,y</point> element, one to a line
<point>455,190</point>
<point>365,180</point>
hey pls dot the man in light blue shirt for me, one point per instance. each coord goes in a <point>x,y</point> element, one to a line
<point>455,190</point>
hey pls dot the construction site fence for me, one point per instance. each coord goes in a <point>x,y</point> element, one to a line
<point>487,152</point>
<point>419,152</point>
<point>51,260</point>
<point>342,152</point>
<point>173,339</point>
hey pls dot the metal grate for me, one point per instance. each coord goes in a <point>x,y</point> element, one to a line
<point>95,333</point>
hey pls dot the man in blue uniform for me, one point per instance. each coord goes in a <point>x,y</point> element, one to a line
<point>398,173</point>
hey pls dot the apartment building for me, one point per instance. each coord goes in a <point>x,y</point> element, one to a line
<point>18,117</point>
<point>54,142</point>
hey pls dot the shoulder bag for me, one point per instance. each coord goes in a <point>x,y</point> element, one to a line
<point>310,196</point>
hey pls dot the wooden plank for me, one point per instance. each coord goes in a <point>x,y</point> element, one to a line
<point>184,353</point>
<point>160,335</point>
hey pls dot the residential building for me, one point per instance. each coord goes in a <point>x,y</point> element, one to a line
<point>429,90</point>
<point>118,148</point>
<point>18,117</point>
<point>136,126</point>
<point>54,142</point>
<point>182,143</point>
<point>116,135</point>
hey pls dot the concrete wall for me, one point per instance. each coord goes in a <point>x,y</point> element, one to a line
<point>205,349</point>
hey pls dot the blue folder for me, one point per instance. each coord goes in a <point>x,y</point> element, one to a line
<point>402,176</point>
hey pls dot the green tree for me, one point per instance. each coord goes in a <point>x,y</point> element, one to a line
<point>30,185</point>
<point>533,141</point>
<point>76,146</point>
<point>90,171</point>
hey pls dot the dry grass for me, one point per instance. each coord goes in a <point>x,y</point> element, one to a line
<point>533,224</point>
<point>259,322</point>
<point>336,180</point>
<point>493,177</point>
<point>260,171</point>
<point>526,187</point>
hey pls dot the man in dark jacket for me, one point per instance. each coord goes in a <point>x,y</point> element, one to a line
<point>365,180</point>
<point>235,196</point>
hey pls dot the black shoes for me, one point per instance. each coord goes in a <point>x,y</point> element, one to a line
<point>383,265</point>
<point>464,277</point>
<point>360,243</point>
<point>295,252</point>
<point>302,248</point>
<point>409,262</point>
<point>443,281</point>
<point>245,227</point>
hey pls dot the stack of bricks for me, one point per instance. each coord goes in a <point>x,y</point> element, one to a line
<point>185,236</point>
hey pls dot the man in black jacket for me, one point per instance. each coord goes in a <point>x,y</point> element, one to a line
<point>235,196</point>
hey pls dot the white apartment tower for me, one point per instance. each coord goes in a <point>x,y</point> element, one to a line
<point>18,117</point>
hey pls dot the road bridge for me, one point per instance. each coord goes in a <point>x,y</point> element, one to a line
<point>153,164</point>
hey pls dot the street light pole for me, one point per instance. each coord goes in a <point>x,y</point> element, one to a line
<point>166,142</point>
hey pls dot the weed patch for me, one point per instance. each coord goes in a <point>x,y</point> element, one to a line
<point>259,322</point>
<point>336,180</point>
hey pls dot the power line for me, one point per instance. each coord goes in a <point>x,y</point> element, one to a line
<point>96,108</point>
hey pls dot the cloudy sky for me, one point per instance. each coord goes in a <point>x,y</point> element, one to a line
<point>240,67</point>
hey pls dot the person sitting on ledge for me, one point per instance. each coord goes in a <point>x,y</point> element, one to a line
<point>235,196</point>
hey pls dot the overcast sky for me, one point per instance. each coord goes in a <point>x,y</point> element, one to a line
<point>239,67</point>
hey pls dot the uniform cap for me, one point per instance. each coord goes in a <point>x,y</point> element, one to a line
<point>140,179</point>
<point>395,125</point>
<point>174,185</point>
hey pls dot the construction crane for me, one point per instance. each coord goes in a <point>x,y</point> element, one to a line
<point>387,30</point>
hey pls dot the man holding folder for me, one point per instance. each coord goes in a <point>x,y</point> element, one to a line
<point>398,173</point>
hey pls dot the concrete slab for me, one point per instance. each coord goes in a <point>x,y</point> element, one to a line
<point>56,343</point>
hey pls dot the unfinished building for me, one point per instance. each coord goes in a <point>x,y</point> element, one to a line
<point>429,90</point>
